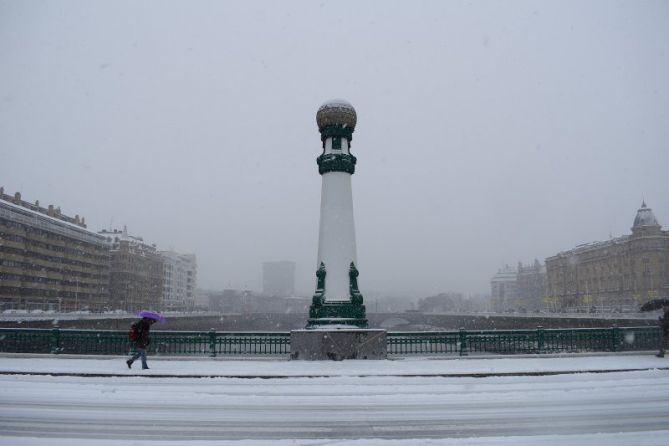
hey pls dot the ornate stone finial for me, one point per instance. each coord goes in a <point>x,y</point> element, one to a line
<point>336,113</point>
<point>336,119</point>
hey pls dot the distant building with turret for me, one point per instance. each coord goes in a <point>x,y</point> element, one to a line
<point>618,274</point>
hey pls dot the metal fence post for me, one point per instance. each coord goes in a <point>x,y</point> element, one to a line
<point>212,343</point>
<point>541,339</point>
<point>55,340</point>
<point>615,337</point>
<point>463,342</point>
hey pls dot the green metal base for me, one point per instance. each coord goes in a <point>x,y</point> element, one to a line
<point>344,312</point>
<point>337,313</point>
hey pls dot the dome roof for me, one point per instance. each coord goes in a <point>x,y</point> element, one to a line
<point>645,217</point>
<point>336,112</point>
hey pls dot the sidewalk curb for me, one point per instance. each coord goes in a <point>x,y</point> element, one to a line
<point>286,357</point>
<point>399,375</point>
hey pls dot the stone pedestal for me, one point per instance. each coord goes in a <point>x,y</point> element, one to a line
<point>338,344</point>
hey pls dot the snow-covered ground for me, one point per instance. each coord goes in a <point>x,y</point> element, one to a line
<point>97,401</point>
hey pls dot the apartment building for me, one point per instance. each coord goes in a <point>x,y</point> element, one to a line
<point>49,260</point>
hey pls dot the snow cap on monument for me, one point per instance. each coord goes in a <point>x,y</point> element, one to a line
<point>336,112</point>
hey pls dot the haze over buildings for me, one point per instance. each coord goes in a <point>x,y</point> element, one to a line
<point>278,278</point>
<point>488,132</point>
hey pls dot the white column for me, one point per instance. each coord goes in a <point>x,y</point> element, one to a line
<point>336,241</point>
<point>336,237</point>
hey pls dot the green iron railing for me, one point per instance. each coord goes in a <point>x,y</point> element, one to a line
<point>112,342</point>
<point>536,341</point>
<point>214,343</point>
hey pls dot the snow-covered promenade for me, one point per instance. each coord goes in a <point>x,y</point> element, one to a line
<point>96,401</point>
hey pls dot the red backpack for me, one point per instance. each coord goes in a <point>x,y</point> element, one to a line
<point>133,332</point>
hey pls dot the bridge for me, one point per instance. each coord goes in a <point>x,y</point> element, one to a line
<point>406,321</point>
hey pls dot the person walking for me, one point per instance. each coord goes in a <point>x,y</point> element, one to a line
<point>142,340</point>
<point>664,326</point>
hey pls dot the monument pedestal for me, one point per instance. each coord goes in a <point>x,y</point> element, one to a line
<point>338,344</point>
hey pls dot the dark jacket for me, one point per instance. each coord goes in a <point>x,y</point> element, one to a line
<point>143,338</point>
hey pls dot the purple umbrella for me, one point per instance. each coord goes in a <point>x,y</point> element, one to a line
<point>151,315</point>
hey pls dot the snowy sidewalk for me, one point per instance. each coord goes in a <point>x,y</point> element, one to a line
<point>254,368</point>
<point>418,401</point>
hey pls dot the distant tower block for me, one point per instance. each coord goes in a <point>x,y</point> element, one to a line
<point>337,300</point>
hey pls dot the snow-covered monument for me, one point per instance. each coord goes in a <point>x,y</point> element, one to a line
<point>337,322</point>
<point>337,300</point>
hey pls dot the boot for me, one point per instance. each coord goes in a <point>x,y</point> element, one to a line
<point>129,362</point>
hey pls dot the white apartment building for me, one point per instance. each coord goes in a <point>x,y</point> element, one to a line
<point>180,274</point>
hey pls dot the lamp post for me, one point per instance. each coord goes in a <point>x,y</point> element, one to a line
<point>337,300</point>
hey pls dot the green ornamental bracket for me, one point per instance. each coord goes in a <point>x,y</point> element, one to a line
<point>319,295</point>
<point>338,130</point>
<point>356,297</point>
<point>322,313</point>
<point>336,162</point>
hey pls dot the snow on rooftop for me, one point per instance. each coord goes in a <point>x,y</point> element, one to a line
<point>50,219</point>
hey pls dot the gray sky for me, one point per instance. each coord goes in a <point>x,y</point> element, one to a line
<point>488,132</point>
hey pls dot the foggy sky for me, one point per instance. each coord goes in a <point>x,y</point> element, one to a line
<point>488,132</point>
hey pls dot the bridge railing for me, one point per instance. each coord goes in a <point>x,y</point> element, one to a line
<point>172,343</point>
<point>535,341</point>
<point>217,343</point>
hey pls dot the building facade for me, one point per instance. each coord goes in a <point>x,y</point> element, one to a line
<point>278,278</point>
<point>179,281</point>
<point>619,274</point>
<point>503,289</point>
<point>136,277</point>
<point>50,261</point>
<point>531,286</point>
